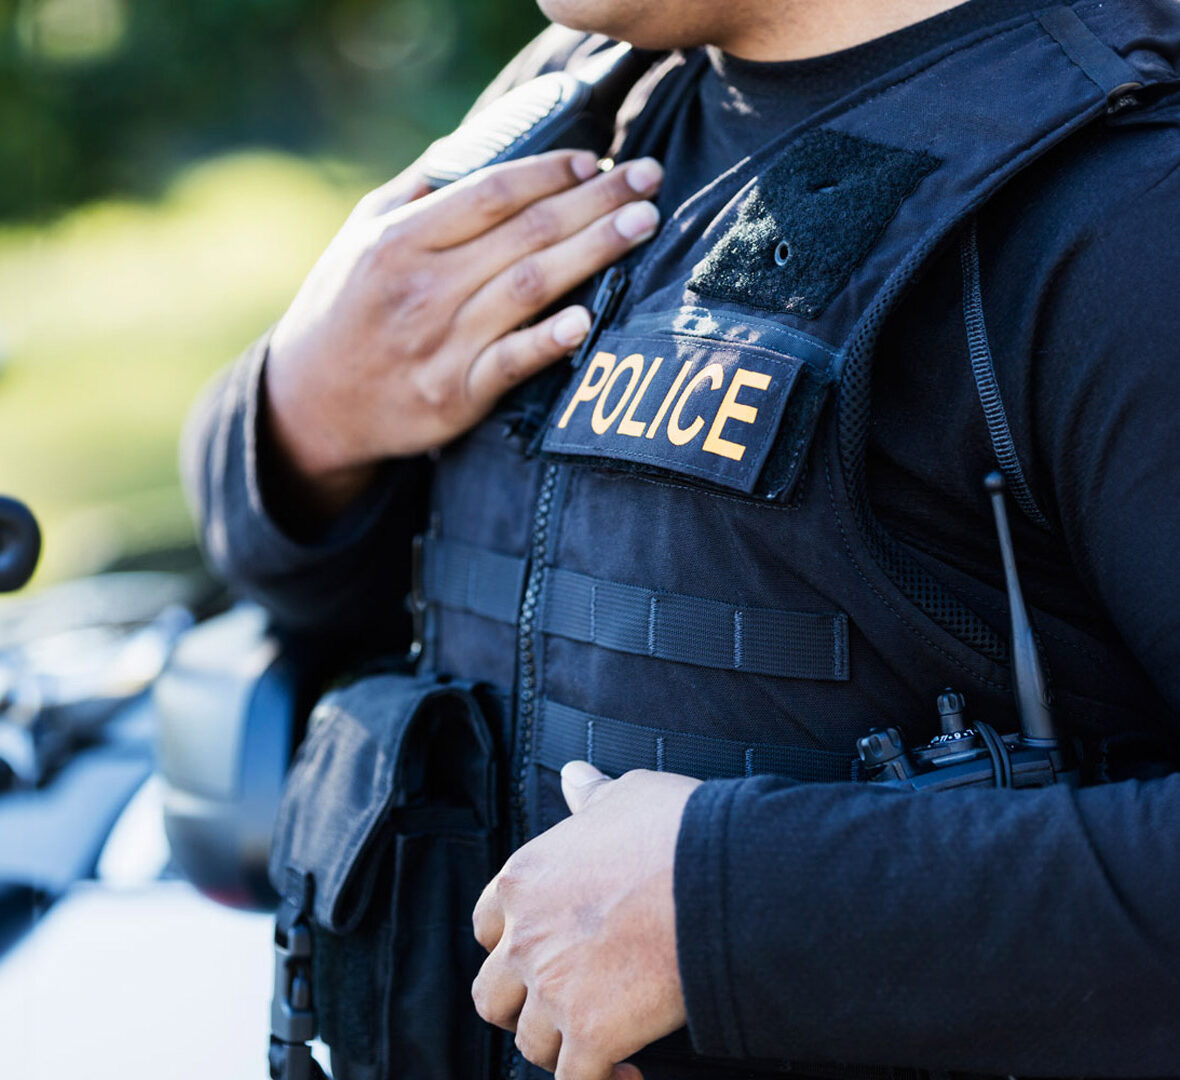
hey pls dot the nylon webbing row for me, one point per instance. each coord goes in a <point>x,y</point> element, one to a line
<point>471,579</point>
<point>691,630</point>
<point>644,622</point>
<point>566,734</point>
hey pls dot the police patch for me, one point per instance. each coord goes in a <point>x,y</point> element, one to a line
<point>689,405</point>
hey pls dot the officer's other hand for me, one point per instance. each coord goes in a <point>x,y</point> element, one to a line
<point>580,925</point>
<point>407,330</point>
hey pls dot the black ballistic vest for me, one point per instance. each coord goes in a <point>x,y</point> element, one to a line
<point>666,558</point>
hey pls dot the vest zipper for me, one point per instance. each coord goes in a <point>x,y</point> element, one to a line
<point>526,650</point>
<point>526,696</point>
<point>605,304</point>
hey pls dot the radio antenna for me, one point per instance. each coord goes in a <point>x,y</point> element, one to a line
<point>1028,677</point>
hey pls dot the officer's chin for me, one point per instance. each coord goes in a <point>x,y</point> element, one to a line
<point>644,23</point>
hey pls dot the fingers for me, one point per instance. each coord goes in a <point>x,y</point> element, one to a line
<point>536,281</point>
<point>536,1037</point>
<point>498,994</point>
<point>471,206</point>
<point>581,783</point>
<point>514,358</point>
<point>404,188</point>
<point>578,1061</point>
<point>487,920</point>
<point>626,1071</point>
<point>556,218</point>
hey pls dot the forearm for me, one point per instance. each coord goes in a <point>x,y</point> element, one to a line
<point>349,576</point>
<point>1026,933</point>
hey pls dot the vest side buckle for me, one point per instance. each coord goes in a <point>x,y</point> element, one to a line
<point>293,1021</point>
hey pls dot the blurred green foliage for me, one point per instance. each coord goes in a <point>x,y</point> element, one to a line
<point>111,96</point>
<point>114,315</point>
<point>169,171</point>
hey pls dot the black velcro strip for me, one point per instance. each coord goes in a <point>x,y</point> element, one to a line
<point>809,221</point>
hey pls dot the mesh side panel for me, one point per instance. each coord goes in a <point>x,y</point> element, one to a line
<point>924,591</point>
<point>934,599</point>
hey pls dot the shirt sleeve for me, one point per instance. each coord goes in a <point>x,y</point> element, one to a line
<point>351,580</point>
<point>1105,393</point>
<point>1013,933</point>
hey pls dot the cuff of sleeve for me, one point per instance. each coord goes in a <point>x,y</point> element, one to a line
<point>702,944</point>
<point>345,530</point>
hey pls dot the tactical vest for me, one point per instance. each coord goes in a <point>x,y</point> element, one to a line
<point>666,557</point>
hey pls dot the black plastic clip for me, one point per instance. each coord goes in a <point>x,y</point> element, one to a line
<point>1124,96</point>
<point>293,1022</point>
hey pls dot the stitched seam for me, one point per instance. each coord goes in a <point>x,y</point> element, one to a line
<point>987,385</point>
<point>880,596</point>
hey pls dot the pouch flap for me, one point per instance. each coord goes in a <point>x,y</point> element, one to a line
<point>386,754</point>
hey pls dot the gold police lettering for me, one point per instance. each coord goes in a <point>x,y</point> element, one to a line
<point>619,388</point>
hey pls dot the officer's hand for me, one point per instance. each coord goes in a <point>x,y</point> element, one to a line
<point>406,331</point>
<point>581,927</point>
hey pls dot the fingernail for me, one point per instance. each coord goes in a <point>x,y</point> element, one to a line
<point>571,327</point>
<point>637,221</point>
<point>644,175</point>
<point>584,166</point>
<point>580,773</point>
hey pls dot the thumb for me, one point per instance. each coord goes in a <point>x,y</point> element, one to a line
<point>626,1071</point>
<point>581,782</point>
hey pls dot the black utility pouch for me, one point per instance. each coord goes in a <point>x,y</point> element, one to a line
<point>386,835</point>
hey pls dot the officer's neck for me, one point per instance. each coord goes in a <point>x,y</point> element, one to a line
<point>799,29</point>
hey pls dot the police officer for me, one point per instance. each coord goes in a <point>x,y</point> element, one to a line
<point>902,243</point>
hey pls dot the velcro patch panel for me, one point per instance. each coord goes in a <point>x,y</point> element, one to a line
<point>809,222</point>
<point>688,405</point>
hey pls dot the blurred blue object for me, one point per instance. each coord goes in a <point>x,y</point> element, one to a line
<point>51,837</point>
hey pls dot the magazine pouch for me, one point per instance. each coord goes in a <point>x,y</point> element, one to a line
<point>385,838</point>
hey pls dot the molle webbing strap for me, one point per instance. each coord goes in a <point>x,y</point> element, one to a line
<point>639,621</point>
<point>466,578</point>
<point>692,630</point>
<point>1102,65</point>
<point>565,734</point>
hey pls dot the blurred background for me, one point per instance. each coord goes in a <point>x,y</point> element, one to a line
<point>168,173</point>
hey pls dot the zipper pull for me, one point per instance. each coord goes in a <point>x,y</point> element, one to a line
<point>606,303</point>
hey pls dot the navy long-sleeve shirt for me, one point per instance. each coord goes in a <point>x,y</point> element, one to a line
<point>1030,933</point>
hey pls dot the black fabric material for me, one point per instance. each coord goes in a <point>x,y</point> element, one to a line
<point>795,901</point>
<point>686,629</point>
<point>391,810</point>
<point>362,771</point>
<point>809,222</point>
<point>922,865</point>
<point>563,734</point>
<point>470,579</point>
<point>360,962</point>
<point>1107,69</point>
